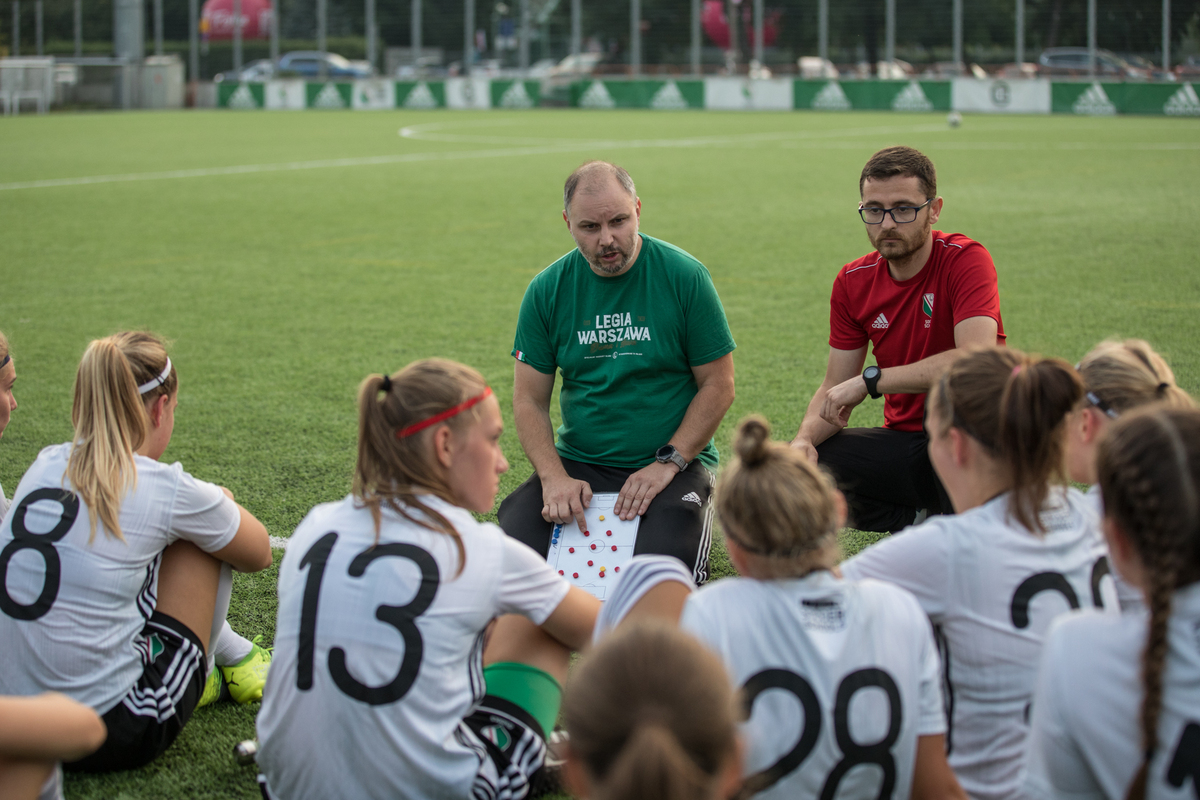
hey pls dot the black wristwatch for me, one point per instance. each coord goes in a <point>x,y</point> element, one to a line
<point>871,379</point>
<point>667,454</point>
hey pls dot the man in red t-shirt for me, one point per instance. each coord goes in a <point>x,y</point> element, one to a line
<point>921,298</point>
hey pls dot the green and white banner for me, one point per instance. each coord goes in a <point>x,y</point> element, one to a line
<point>669,95</point>
<point>835,95</point>
<point>286,95</point>
<point>516,94</point>
<point>1000,96</point>
<point>744,94</point>
<point>375,94</point>
<point>468,93</point>
<point>420,94</point>
<point>329,95</point>
<point>240,95</point>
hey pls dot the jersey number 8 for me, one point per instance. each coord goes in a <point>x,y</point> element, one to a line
<point>43,545</point>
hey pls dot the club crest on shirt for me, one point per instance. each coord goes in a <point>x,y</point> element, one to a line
<point>496,735</point>
<point>927,304</point>
<point>154,647</point>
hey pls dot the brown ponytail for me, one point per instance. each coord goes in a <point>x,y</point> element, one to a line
<point>651,714</point>
<point>394,471</point>
<point>1015,406</point>
<point>777,506</point>
<point>111,422</point>
<point>4,351</point>
<point>1149,468</point>
<point>1121,376</point>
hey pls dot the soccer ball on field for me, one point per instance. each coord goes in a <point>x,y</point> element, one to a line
<point>954,119</point>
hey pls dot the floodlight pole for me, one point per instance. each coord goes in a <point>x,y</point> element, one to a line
<point>37,26</point>
<point>415,34</point>
<point>322,66</point>
<point>526,30</point>
<point>758,31</point>
<point>823,29</point>
<point>158,27</point>
<point>237,35</point>
<point>193,39</point>
<point>468,36</point>
<point>274,36</point>
<point>695,37</point>
<point>16,28</point>
<point>1091,38</point>
<point>1020,34</point>
<point>576,30</point>
<point>889,47</point>
<point>78,28</point>
<point>958,35</point>
<point>1166,35</point>
<point>369,24</point>
<point>635,36</point>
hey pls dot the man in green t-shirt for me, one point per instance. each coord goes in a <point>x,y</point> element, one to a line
<point>636,328</point>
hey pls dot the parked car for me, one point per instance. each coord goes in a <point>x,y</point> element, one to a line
<point>1188,69</point>
<point>1072,62</point>
<point>307,64</point>
<point>1155,72</point>
<point>254,72</point>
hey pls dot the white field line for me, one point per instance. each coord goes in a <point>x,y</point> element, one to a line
<point>279,542</point>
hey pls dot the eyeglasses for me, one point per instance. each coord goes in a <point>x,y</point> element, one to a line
<point>900,214</point>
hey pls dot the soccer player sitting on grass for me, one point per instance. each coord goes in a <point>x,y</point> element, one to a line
<point>1023,549</point>
<point>650,715</point>
<point>1117,708</point>
<point>115,581</point>
<point>920,299</point>
<point>393,600</point>
<point>826,665</point>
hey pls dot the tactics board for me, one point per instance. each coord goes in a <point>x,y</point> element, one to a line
<point>591,559</point>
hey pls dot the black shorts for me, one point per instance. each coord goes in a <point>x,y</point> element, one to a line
<point>153,712</point>
<point>886,476</point>
<point>678,522</point>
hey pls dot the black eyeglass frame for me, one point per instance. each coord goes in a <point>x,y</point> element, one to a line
<point>892,211</point>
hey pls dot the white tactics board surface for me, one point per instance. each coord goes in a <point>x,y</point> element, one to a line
<point>591,559</point>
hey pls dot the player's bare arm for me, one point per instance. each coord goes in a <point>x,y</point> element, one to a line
<point>48,727</point>
<point>563,497</point>
<point>842,367</point>
<point>714,396</point>
<point>932,778</point>
<point>571,623</point>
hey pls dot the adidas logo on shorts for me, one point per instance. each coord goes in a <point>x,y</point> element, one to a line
<point>692,497</point>
<point>880,322</point>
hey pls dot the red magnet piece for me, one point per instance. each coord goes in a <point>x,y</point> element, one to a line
<point>601,574</point>
<point>589,563</point>
<point>609,533</point>
<point>616,569</point>
<point>560,572</point>
<point>570,549</point>
<point>614,548</point>
<point>574,574</point>
<point>587,533</point>
<point>593,547</point>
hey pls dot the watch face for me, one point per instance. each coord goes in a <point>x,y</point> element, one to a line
<point>871,373</point>
<point>665,452</point>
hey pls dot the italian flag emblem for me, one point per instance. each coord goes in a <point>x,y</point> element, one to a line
<point>927,304</point>
<point>520,355</point>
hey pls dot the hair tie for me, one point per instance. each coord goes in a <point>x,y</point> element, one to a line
<point>1016,370</point>
<point>156,382</point>
<point>4,361</point>
<point>416,427</point>
<point>385,385</point>
<point>1162,387</point>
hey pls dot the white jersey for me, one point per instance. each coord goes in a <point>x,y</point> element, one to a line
<point>992,589</point>
<point>378,652</point>
<point>837,674</point>
<point>3,503</point>
<point>1130,597</point>
<point>1085,740</point>
<point>73,612</point>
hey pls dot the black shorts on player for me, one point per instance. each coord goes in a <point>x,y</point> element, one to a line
<point>678,522</point>
<point>153,712</point>
<point>885,475</point>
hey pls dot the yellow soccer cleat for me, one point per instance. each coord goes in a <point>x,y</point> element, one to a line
<point>246,678</point>
<point>214,689</point>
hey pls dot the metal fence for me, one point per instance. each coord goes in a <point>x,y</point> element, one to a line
<point>634,37</point>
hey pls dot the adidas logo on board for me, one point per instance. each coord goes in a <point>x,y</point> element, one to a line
<point>880,322</point>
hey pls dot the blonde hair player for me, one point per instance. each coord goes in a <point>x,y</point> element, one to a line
<point>393,600</point>
<point>8,402</point>
<point>650,715</point>
<point>805,645</point>
<point>1022,549</point>
<point>113,567</point>
<point>1116,709</point>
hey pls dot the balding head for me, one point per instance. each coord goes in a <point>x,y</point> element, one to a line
<point>593,175</point>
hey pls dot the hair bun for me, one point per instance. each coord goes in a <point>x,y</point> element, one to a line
<point>750,443</point>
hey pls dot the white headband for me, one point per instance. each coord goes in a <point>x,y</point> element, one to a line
<point>154,383</point>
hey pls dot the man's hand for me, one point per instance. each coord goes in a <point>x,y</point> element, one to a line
<point>565,499</point>
<point>805,447</point>
<point>641,487</point>
<point>841,400</point>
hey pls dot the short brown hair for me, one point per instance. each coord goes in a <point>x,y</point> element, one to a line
<point>1015,405</point>
<point>904,161</point>
<point>585,174</point>
<point>776,506</point>
<point>651,713</point>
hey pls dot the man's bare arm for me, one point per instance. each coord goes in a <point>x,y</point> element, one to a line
<point>843,366</point>
<point>714,395</point>
<point>563,496</point>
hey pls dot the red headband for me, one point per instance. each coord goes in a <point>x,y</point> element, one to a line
<point>417,427</point>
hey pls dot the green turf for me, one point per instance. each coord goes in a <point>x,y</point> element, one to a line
<point>282,289</point>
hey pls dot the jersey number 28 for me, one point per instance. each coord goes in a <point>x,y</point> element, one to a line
<point>402,618</point>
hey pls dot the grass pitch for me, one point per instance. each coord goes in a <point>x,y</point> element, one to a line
<point>287,255</point>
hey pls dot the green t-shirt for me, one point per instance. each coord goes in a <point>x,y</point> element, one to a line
<point>625,346</point>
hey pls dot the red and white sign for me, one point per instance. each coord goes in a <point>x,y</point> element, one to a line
<point>216,19</point>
